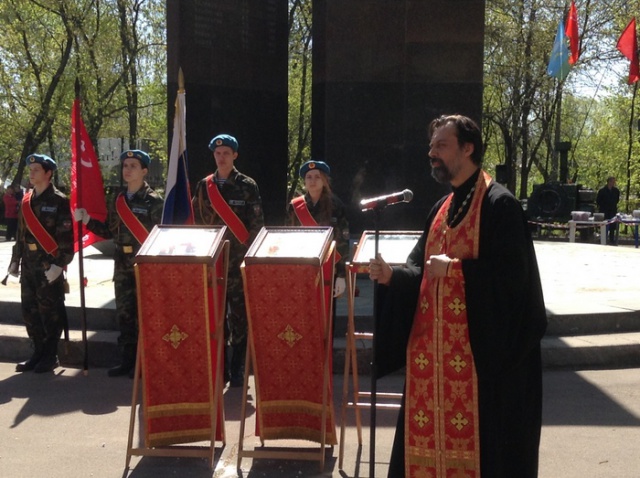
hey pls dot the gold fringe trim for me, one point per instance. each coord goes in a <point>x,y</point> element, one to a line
<point>176,437</point>
<point>296,433</point>
<point>174,409</point>
<point>293,406</point>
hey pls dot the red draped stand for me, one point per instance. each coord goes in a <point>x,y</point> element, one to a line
<point>394,246</point>
<point>181,278</point>
<point>288,278</point>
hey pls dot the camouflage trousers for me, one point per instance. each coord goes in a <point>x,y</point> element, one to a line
<point>236,330</point>
<point>43,309</point>
<point>126,306</point>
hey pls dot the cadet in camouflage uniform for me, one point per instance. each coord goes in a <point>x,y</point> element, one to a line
<point>147,206</point>
<point>241,193</point>
<point>42,281</point>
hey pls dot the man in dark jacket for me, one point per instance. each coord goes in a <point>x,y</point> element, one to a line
<point>607,200</point>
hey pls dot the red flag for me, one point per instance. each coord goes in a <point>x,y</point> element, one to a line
<point>628,46</point>
<point>85,173</point>
<point>571,31</point>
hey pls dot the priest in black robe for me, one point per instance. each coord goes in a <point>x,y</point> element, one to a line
<point>505,312</point>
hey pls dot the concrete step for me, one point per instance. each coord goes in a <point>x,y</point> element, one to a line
<point>15,346</point>
<point>103,318</point>
<point>618,350</point>
<point>595,323</point>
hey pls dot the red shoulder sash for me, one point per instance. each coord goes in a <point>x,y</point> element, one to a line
<point>302,212</point>
<point>305,217</point>
<point>225,212</point>
<point>47,242</point>
<point>130,220</point>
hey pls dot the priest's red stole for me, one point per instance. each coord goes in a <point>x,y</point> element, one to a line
<point>178,334</point>
<point>289,323</point>
<point>441,416</point>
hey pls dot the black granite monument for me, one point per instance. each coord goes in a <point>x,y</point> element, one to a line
<point>233,54</point>
<point>382,71</point>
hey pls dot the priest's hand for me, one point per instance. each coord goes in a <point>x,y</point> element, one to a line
<point>339,287</point>
<point>81,214</point>
<point>438,266</point>
<point>379,270</point>
<point>53,273</point>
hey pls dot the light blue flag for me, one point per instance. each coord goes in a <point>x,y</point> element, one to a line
<point>559,61</point>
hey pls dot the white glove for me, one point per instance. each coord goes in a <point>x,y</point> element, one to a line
<point>81,214</point>
<point>14,269</point>
<point>53,273</point>
<point>339,286</point>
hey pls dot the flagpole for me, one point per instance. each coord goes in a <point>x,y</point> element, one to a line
<point>177,205</point>
<point>83,308</point>
<point>555,167</point>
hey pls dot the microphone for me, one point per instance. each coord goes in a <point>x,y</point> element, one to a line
<point>381,202</point>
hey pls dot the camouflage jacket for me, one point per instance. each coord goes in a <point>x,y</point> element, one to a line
<point>242,195</point>
<point>146,205</point>
<point>339,222</point>
<point>54,213</point>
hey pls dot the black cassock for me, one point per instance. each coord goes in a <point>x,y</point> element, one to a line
<point>507,319</point>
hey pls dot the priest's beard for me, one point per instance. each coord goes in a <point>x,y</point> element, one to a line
<point>441,173</point>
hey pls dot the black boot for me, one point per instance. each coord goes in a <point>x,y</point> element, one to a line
<point>128,364</point>
<point>49,360</point>
<point>228,353</point>
<point>236,371</point>
<point>30,364</point>
<point>47,363</point>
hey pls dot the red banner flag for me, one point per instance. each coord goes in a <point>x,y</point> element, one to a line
<point>87,188</point>
<point>571,31</point>
<point>628,46</point>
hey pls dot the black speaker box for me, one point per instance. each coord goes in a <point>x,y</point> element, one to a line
<point>552,201</point>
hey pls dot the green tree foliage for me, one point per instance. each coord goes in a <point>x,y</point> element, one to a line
<point>35,49</point>
<point>299,90</point>
<point>114,49</point>
<point>526,112</point>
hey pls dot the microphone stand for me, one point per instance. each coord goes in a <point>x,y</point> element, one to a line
<point>374,369</point>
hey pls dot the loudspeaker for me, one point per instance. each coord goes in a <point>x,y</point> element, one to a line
<point>553,201</point>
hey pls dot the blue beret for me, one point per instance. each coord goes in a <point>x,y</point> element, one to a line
<point>224,140</point>
<point>47,163</point>
<point>322,166</point>
<point>137,154</point>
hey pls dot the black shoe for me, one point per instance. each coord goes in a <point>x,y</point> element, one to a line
<point>28,365</point>
<point>48,363</point>
<point>120,370</point>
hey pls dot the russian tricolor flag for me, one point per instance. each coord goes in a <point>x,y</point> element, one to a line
<point>177,202</point>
